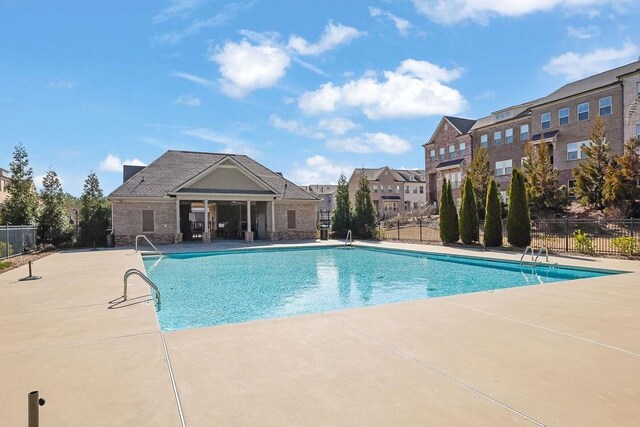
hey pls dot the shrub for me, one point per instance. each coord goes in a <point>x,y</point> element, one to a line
<point>626,245</point>
<point>468,220</point>
<point>518,219</point>
<point>492,219</point>
<point>3,249</point>
<point>583,242</point>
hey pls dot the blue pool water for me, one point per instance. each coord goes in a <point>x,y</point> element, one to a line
<point>216,288</point>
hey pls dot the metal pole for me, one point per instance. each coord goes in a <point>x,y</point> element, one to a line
<point>398,228</point>
<point>34,408</point>
<point>7,242</point>
<point>566,234</point>
<point>420,224</point>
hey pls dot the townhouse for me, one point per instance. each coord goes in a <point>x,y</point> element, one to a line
<point>563,120</point>
<point>393,191</point>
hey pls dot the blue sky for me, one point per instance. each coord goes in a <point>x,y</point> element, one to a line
<point>306,88</point>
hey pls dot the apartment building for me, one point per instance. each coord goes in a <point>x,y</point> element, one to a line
<point>394,191</point>
<point>4,181</point>
<point>563,120</point>
<point>326,193</point>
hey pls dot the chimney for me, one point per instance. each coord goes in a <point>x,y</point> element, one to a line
<point>130,170</point>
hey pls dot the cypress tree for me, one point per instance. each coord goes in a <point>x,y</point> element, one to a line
<point>341,220</point>
<point>94,213</point>
<point>480,173</point>
<point>364,215</point>
<point>590,173</point>
<point>518,220</point>
<point>21,207</point>
<point>53,224</point>
<point>493,217</point>
<point>448,215</point>
<point>468,220</point>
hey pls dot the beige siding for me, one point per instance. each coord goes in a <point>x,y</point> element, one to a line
<point>227,179</point>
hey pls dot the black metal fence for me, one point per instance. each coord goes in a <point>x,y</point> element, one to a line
<point>619,237</point>
<point>17,239</point>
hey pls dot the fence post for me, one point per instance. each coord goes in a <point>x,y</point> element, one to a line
<point>7,242</point>
<point>566,234</point>
<point>420,225</point>
<point>398,228</point>
<point>631,227</point>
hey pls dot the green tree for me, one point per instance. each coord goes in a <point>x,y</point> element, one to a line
<point>364,215</point>
<point>518,219</point>
<point>480,173</point>
<point>21,205</point>
<point>622,182</point>
<point>493,217</point>
<point>448,215</point>
<point>341,220</point>
<point>468,220</point>
<point>94,213</point>
<point>53,223</point>
<point>541,179</point>
<point>590,173</point>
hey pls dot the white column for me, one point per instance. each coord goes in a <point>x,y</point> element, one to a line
<point>273,215</point>
<point>206,216</point>
<point>249,216</point>
<point>177,216</point>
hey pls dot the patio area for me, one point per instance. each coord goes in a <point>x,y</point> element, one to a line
<point>559,354</point>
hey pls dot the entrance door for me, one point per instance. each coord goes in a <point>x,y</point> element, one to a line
<point>262,226</point>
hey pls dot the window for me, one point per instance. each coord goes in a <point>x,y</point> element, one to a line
<point>508,135</point>
<point>504,196</point>
<point>397,188</point>
<point>605,106</point>
<point>415,190</point>
<point>545,120</point>
<point>406,189</point>
<point>389,189</point>
<point>571,187</point>
<point>291,219</point>
<point>524,132</point>
<point>432,155</point>
<point>441,152</point>
<point>422,189</point>
<point>497,138</point>
<point>638,130</point>
<point>390,206</point>
<point>574,150</point>
<point>455,178</point>
<point>452,151</point>
<point>563,116</point>
<point>504,167</point>
<point>463,148</point>
<point>638,89</point>
<point>503,115</point>
<point>148,225</point>
<point>583,112</point>
<point>484,141</point>
<point>375,188</point>
<point>415,205</point>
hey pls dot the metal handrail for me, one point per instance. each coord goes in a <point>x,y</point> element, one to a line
<point>540,253</point>
<point>148,241</point>
<point>349,240</point>
<point>137,272</point>
<point>528,248</point>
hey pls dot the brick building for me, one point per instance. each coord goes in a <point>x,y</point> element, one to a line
<point>562,119</point>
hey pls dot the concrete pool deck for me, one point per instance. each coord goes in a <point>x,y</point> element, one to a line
<point>561,354</point>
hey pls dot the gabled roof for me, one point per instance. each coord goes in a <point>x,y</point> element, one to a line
<point>400,175</point>
<point>169,172</point>
<point>449,163</point>
<point>461,125</point>
<point>596,81</point>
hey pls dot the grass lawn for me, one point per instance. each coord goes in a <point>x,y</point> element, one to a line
<point>5,264</point>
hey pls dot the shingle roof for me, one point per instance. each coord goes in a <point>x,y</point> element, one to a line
<point>463,125</point>
<point>174,168</point>
<point>400,175</point>
<point>545,135</point>
<point>448,163</point>
<point>590,83</point>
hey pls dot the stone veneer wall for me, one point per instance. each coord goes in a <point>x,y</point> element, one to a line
<point>127,222</point>
<point>305,221</point>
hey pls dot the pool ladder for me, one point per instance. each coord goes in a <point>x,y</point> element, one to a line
<point>135,271</point>
<point>534,259</point>
<point>349,240</point>
<point>142,236</point>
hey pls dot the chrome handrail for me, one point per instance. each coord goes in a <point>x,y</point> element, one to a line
<point>540,253</point>
<point>148,241</point>
<point>349,240</point>
<point>528,248</point>
<point>137,272</point>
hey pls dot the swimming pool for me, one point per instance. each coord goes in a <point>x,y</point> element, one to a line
<point>214,288</point>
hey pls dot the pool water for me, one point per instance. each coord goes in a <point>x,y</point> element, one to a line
<point>205,289</point>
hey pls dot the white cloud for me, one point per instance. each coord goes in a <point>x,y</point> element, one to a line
<point>583,33</point>
<point>189,100</point>
<point>176,9</point>
<point>487,95</point>
<point>62,84</point>
<point>112,163</point>
<point>245,66</point>
<point>414,89</point>
<point>337,125</point>
<point>455,11</point>
<point>195,79</point>
<point>318,170</point>
<point>402,25</point>
<point>231,145</point>
<point>331,37</point>
<point>294,127</point>
<point>574,66</point>
<point>370,143</point>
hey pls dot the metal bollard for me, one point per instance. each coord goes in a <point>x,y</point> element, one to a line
<point>35,402</point>
<point>30,276</point>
